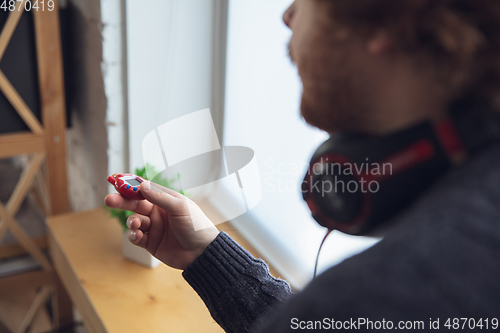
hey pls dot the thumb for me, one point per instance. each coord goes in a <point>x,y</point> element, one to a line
<point>163,197</point>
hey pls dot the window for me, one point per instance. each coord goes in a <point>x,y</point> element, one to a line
<point>177,63</point>
<point>262,112</point>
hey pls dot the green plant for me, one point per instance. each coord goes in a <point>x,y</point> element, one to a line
<point>122,215</point>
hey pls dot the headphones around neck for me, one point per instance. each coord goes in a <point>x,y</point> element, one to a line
<point>357,182</point>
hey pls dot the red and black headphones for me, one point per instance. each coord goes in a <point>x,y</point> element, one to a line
<point>355,182</point>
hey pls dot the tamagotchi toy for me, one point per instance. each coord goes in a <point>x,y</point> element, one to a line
<point>127,185</point>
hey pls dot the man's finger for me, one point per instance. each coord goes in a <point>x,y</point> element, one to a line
<point>142,207</point>
<point>138,221</point>
<point>166,190</point>
<point>137,237</point>
<point>168,200</point>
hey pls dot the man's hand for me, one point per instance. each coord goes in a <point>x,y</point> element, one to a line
<point>167,224</point>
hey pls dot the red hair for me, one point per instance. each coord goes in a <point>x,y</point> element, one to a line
<point>458,40</point>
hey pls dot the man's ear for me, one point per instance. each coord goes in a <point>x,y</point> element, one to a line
<point>378,44</point>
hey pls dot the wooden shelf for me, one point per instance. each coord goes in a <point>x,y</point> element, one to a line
<point>114,294</point>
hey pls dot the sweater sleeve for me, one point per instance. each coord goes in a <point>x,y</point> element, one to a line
<point>237,288</point>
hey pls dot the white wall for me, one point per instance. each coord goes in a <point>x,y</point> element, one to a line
<point>86,139</point>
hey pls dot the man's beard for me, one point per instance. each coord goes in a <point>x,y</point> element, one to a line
<point>333,107</point>
<point>334,97</point>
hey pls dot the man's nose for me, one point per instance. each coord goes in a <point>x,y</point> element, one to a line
<point>288,15</point>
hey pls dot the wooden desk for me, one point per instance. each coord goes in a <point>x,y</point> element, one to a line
<point>113,294</point>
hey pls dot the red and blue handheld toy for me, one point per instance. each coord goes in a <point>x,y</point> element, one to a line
<point>127,185</point>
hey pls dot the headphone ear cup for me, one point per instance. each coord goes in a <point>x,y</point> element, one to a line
<point>338,197</point>
<point>333,196</point>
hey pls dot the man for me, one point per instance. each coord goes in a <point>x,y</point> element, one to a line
<point>373,67</point>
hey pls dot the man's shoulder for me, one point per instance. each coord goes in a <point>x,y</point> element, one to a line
<point>441,259</point>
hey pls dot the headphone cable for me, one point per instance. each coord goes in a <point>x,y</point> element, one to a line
<point>319,250</point>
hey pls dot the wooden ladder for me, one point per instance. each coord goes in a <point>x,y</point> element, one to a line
<point>45,144</point>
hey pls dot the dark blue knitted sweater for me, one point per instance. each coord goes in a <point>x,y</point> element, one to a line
<point>441,260</point>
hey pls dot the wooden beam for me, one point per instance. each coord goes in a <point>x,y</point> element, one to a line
<point>3,230</point>
<point>14,250</point>
<point>27,280</point>
<point>21,143</point>
<point>62,308</point>
<point>70,281</point>
<point>41,193</point>
<point>3,328</point>
<point>32,279</point>
<point>24,239</point>
<point>41,298</point>
<point>24,184</point>
<point>9,28</point>
<point>19,105</point>
<point>51,82</point>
